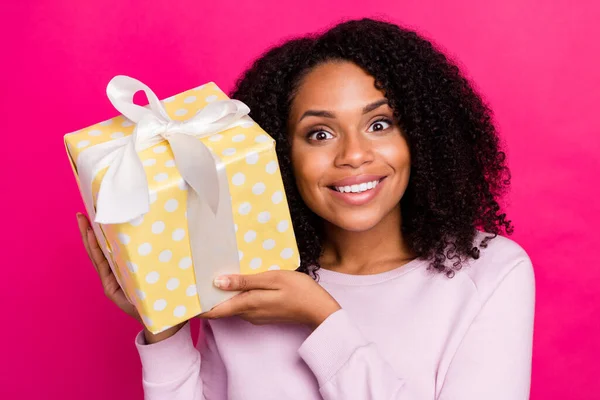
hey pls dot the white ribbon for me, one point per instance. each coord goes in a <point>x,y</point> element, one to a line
<point>124,193</point>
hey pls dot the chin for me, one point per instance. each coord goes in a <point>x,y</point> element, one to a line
<point>355,222</point>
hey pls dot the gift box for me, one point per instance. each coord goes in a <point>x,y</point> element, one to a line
<point>179,192</point>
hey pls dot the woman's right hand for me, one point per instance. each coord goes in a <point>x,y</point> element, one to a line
<point>112,290</point>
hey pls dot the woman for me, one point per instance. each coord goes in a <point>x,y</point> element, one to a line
<point>393,173</point>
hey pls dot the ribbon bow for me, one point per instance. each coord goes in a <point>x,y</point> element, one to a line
<point>124,193</point>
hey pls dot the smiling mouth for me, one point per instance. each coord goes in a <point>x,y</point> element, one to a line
<point>357,188</point>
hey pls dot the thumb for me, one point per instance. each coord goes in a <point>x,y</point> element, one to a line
<point>264,280</point>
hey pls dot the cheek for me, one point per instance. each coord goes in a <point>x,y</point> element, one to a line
<point>397,155</point>
<point>302,172</point>
<point>308,165</point>
<point>306,174</point>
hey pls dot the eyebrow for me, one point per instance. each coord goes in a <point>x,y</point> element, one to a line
<point>328,114</point>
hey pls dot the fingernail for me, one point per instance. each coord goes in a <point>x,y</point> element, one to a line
<point>222,282</point>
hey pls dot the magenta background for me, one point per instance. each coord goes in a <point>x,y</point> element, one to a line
<point>535,61</point>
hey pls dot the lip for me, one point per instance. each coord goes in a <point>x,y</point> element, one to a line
<point>358,199</point>
<point>357,180</point>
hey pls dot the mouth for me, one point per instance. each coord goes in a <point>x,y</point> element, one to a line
<point>357,188</point>
<point>357,191</point>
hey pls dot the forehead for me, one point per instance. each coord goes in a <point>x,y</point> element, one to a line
<point>335,86</point>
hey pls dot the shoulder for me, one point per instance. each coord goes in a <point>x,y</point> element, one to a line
<point>501,258</point>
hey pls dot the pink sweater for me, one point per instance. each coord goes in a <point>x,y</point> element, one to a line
<point>404,334</point>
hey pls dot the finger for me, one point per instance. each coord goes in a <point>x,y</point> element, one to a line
<point>269,280</point>
<point>261,321</point>
<point>237,305</point>
<point>115,293</point>
<point>100,262</point>
<point>109,282</point>
<point>84,225</point>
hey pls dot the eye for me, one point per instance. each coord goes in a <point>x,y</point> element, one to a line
<point>380,124</point>
<point>319,135</point>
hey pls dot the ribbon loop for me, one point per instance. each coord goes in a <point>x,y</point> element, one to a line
<point>120,91</point>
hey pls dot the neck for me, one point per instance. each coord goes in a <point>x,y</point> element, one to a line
<point>379,249</point>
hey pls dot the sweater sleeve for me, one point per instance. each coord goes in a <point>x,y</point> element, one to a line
<point>174,369</point>
<point>492,362</point>
<point>347,365</point>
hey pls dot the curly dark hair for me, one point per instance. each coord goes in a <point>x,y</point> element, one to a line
<point>458,170</point>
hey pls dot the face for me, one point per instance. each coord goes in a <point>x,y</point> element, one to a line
<point>350,159</point>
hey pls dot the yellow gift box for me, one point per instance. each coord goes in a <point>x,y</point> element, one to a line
<point>166,256</point>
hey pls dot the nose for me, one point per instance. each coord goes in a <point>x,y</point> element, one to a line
<point>355,150</point>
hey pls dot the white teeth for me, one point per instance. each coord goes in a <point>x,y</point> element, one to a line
<point>357,188</point>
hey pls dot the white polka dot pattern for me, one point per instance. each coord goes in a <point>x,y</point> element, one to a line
<point>152,252</point>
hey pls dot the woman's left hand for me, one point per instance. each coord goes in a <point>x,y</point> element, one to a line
<point>275,297</point>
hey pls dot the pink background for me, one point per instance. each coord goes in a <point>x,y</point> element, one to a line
<point>535,61</point>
